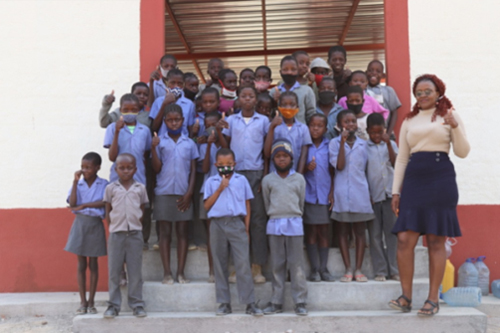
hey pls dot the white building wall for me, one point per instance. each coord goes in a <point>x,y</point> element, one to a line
<point>458,41</point>
<point>57,60</point>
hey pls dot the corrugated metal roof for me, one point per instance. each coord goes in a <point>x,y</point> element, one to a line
<point>237,26</point>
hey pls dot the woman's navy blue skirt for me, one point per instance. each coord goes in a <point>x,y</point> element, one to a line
<point>429,197</point>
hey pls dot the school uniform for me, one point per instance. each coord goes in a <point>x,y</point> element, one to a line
<point>385,96</point>
<point>136,143</point>
<point>298,134</point>
<point>106,117</point>
<point>351,193</point>
<point>370,105</point>
<point>87,237</point>
<point>228,231</point>
<point>212,172</point>
<point>172,182</point>
<point>380,175</point>
<point>247,143</point>
<point>332,120</point>
<point>318,186</point>
<point>159,88</point>
<point>125,241</point>
<point>188,112</point>
<point>307,100</point>
<point>284,201</point>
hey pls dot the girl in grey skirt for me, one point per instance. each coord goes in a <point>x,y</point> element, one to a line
<point>87,238</point>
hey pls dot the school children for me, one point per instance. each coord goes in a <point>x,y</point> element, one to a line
<point>337,58</point>
<point>210,102</point>
<point>288,127</point>
<point>318,200</point>
<point>125,201</point>
<point>265,105</point>
<point>215,65</point>
<point>247,78</point>
<point>284,194</point>
<point>263,78</point>
<point>228,81</point>
<point>139,89</point>
<point>327,106</point>
<point>227,201</point>
<point>174,158</point>
<point>306,100</point>
<point>87,238</point>
<point>352,207</point>
<point>355,101</point>
<point>245,133</point>
<point>175,85</point>
<point>383,94</point>
<point>382,153</point>
<point>319,70</point>
<point>158,78</point>
<point>191,86</point>
<point>303,62</point>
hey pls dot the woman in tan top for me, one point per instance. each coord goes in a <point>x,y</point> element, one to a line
<point>424,179</point>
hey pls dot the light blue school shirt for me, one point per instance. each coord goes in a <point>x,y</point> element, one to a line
<point>86,194</point>
<point>136,144</point>
<point>285,226</point>
<point>247,140</point>
<point>159,88</point>
<point>351,193</point>
<point>385,95</point>
<point>282,88</point>
<point>332,120</point>
<point>188,112</point>
<point>318,181</point>
<point>213,169</point>
<point>298,135</point>
<point>232,200</point>
<point>380,172</point>
<point>176,158</point>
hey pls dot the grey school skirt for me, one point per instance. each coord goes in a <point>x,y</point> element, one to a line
<point>316,214</point>
<point>203,211</point>
<point>352,217</point>
<point>87,237</point>
<point>165,209</point>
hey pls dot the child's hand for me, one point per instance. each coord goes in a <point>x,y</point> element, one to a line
<point>156,141</point>
<point>312,165</point>
<point>78,174</point>
<point>222,123</point>
<point>344,135</point>
<point>224,183</point>
<point>277,94</point>
<point>202,139</point>
<point>184,202</point>
<point>196,127</point>
<point>310,77</point>
<point>156,75</point>
<point>277,120</point>
<point>208,83</point>
<point>331,200</point>
<point>119,124</point>
<point>386,138</point>
<point>449,119</point>
<point>109,99</point>
<point>211,138</point>
<point>169,98</point>
<point>77,208</point>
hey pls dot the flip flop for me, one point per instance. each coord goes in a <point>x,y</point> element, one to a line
<point>361,278</point>
<point>380,278</point>
<point>182,279</point>
<point>81,310</point>
<point>346,278</point>
<point>168,280</point>
<point>92,310</point>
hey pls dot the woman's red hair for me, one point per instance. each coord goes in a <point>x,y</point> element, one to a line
<point>443,103</point>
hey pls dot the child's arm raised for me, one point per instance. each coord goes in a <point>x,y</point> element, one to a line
<point>301,166</point>
<point>390,149</point>
<point>223,140</point>
<point>155,76</point>
<point>72,195</point>
<point>184,202</point>
<point>205,167</point>
<point>210,201</point>
<point>169,99</point>
<point>155,159</point>
<point>105,118</point>
<point>341,156</point>
<point>113,149</point>
<point>268,144</point>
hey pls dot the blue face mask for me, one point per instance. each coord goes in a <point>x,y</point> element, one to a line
<point>176,91</point>
<point>174,132</point>
<point>130,117</point>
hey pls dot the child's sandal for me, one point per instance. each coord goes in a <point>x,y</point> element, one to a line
<point>423,312</point>
<point>396,304</point>
<point>346,278</point>
<point>81,310</point>
<point>92,310</point>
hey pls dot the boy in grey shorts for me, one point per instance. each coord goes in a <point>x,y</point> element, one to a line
<point>125,200</point>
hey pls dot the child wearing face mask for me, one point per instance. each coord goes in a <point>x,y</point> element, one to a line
<point>319,70</point>
<point>289,71</point>
<point>158,79</point>
<point>263,79</point>
<point>228,81</point>
<point>175,94</point>
<point>327,106</point>
<point>355,102</point>
<point>191,86</point>
<point>286,126</point>
<point>227,201</point>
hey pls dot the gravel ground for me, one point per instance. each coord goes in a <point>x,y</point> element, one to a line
<point>37,324</point>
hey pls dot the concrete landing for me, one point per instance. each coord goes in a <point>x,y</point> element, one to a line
<point>322,296</point>
<point>456,320</point>
<point>197,264</point>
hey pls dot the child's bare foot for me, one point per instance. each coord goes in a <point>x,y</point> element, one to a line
<point>211,278</point>
<point>360,277</point>
<point>168,280</point>
<point>182,279</point>
<point>347,276</point>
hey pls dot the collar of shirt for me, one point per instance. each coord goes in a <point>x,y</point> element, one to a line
<point>97,181</point>
<point>200,115</point>
<point>240,115</point>
<point>289,174</point>
<point>182,137</point>
<point>371,143</point>
<point>281,87</point>
<point>335,106</point>
<point>135,183</point>
<point>324,142</point>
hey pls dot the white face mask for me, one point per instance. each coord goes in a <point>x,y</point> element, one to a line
<point>229,93</point>
<point>164,72</point>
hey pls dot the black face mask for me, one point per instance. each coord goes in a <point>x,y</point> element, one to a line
<point>225,170</point>
<point>355,108</point>
<point>189,94</point>
<point>289,79</point>
<point>326,97</point>
<point>285,169</point>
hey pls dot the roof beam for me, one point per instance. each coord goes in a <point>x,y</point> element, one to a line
<point>354,7</point>
<point>237,54</point>
<point>182,38</point>
<point>264,28</point>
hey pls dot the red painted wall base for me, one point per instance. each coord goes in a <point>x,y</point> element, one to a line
<point>32,258</point>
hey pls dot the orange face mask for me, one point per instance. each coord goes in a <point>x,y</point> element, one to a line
<point>288,113</point>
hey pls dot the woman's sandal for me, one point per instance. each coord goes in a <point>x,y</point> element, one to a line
<point>423,312</point>
<point>81,310</point>
<point>396,305</point>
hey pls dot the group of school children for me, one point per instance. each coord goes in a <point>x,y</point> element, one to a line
<point>261,166</point>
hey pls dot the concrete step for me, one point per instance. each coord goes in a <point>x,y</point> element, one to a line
<point>322,296</point>
<point>457,320</point>
<point>197,264</point>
